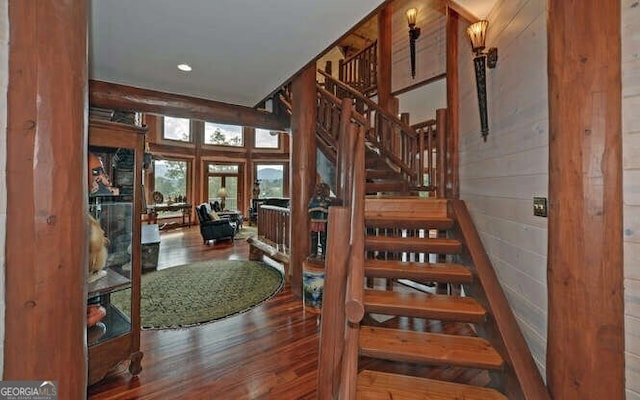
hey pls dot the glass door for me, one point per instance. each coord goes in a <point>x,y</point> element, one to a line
<point>224,186</point>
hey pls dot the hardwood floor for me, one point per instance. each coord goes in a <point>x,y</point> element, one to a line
<point>269,352</point>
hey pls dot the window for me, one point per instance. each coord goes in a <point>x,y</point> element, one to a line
<point>271,177</point>
<point>223,176</point>
<point>171,178</point>
<point>177,129</point>
<point>223,135</point>
<point>265,139</point>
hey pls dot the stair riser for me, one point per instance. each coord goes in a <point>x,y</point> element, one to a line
<point>408,224</point>
<point>418,276</point>
<point>414,248</point>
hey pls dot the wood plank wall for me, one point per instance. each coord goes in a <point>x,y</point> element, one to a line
<point>4,80</point>
<point>499,178</point>
<point>631,191</point>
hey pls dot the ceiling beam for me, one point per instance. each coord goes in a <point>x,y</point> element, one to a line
<point>128,98</point>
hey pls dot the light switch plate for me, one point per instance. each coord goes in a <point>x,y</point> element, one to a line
<point>540,206</point>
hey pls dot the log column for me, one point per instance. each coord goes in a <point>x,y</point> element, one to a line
<point>303,176</point>
<point>46,246</point>
<point>585,348</point>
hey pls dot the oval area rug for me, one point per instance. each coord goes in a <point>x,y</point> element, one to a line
<point>201,292</point>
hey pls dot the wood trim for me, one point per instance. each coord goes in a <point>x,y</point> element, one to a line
<point>461,11</point>
<point>453,103</point>
<point>46,256</point>
<point>129,98</point>
<point>585,256</point>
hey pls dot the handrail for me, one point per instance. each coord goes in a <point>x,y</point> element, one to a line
<point>338,349</point>
<point>403,145</point>
<point>508,339</point>
<point>372,105</point>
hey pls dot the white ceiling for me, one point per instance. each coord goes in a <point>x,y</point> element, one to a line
<point>240,50</point>
<point>479,8</point>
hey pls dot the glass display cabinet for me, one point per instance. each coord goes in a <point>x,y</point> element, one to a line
<point>115,158</point>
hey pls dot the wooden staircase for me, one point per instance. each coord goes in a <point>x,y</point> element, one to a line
<point>394,227</point>
<point>394,357</point>
<point>392,237</point>
<point>382,177</point>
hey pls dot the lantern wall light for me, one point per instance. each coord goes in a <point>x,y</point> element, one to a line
<point>414,34</point>
<point>477,34</point>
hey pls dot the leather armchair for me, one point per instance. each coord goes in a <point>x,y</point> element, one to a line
<point>213,229</point>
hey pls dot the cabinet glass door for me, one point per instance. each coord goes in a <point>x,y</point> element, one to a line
<point>111,218</point>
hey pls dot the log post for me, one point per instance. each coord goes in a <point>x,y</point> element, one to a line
<point>46,246</point>
<point>303,176</point>
<point>585,348</point>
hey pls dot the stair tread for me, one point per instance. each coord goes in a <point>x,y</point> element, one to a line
<point>425,347</point>
<point>426,272</point>
<point>424,305</point>
<point>406,219</point>
<point>373,385</point>
<point>413,244</point>
<point>408,207</point>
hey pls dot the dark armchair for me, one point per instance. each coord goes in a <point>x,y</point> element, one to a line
<point>213,229</point>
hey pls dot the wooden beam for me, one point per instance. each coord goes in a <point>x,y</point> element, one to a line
<point>129,98</point>
<point>585,344</point>
<point>46,219</point>
<point>303,176</point>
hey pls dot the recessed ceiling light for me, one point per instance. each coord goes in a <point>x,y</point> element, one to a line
<point>184,67</point>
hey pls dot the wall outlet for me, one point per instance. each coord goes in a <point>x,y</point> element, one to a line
<point>540,206</point>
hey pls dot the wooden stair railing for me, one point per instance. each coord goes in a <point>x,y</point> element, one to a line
<point>400,144</point>
<point>401,148</point>
<point>360,71</point>
<point>338,359</point>
<point>273,237</point>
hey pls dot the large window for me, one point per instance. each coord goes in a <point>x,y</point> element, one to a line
<point>265,139</point>
<point>271,177</point>
<point>223,135</point>
<point>223,176</point>
<point>171,177</point>
<point>177,129</point>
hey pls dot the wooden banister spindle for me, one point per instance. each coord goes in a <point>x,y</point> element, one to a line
<point>441,132</point>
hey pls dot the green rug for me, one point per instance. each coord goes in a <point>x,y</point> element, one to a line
<point>201,292</point>
<point>246,232</point>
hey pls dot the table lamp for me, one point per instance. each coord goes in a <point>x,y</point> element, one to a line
<point>222,193</point>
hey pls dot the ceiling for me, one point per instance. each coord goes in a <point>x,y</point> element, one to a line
<point>240,50</point>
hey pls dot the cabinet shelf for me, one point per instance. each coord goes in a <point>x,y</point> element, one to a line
<point>109,283</point>
<point>114,324</point>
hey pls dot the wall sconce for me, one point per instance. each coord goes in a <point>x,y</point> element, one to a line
<point>222,193</point>
<point>414,33</point>
<point>477,34</point>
